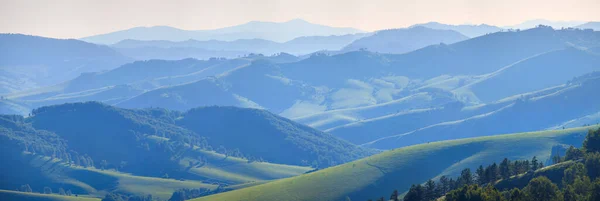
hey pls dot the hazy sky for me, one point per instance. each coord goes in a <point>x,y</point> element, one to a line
<point>78,18</point>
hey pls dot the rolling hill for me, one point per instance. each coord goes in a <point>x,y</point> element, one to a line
<point>554,24</point>
<point>184,126</point>
<point>397,41</point>
<point>178,53</point>
<point>161,49</point>
<point>122,83</point>
<point>539,72</point>
<point>40,172</point>
<point>331,119</point>
<point>590,25</point>
<point>247,86</point>
<point>274,31</point>
<point>186,96</point>
<point>323,83</point>
<point>16,195</point>
<point>31,61</point>
<point>294,142</point>
<point>92,148</point>
<point>501,49</point>
<point>380,174</point>
<point>527,113</point>
<point>470,31</point>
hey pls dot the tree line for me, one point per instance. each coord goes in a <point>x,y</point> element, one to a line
<point>46,190</point>
<point>580,180</point>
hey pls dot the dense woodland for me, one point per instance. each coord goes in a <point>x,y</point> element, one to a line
<point>573,177</point>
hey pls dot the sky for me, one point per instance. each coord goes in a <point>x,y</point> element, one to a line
<point>80,18</point>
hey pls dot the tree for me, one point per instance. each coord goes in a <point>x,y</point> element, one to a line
<point>61,191</point>
<point>475,193</point>
<point>84,162</point>
<point>416,193</point>
<point>575,171</point>
<point>451,184</point>
<point>185,194</point>
<point>534,164</point>
<point>504,169</point>
<point>444,185</point>
<point>592,141</point>
<point>90,161</point>
<point>526,166</point>
<point>556,159</point>
<point>582,187</point>
<point>516,168</point>
<point>542,189</point>
<point>430,190</point>
<point>124,163</point>
<point>491,173</point>
<point>114,197</point>
<point>140,198</point>
<point>480,175</point>
<point>595,190</point>
<point>517,195</point>
<point>573,154</point>
<point>47,190</point>
<point>26,188</point>
<point>492,194</point>
<point>103,164</point>
<point>592,164</point>
<point>569,194</point>
<point>465,178</point>
<point>68,193</point>
<point>394,196</point>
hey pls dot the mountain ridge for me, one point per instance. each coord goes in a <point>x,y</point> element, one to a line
<point>275,31</point>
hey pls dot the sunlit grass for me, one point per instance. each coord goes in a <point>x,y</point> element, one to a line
<point>379,175</point>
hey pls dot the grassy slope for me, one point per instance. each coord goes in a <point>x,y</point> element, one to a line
<point>233,170</point>
<point>558,67</point>
<point>219,168</point>
<point>397,169</point>
<point>237,170</point>
<point>16,195</point>
<point>332,119</point>
<point>96,182</point>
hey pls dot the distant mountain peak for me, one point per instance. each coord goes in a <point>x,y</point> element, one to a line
<point>467,30</point>
<point>298,20</point>
<point>274,31</point>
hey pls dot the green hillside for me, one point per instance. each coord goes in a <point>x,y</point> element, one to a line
<point>554,68</point>
<point>16,195</point>
<point>217,168</point>
<point>156,151</point>
<point>39,172</point>
<point>378,175</point>
<point>529,113</point>
<point>210,166</point>
<point>258,133</point>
